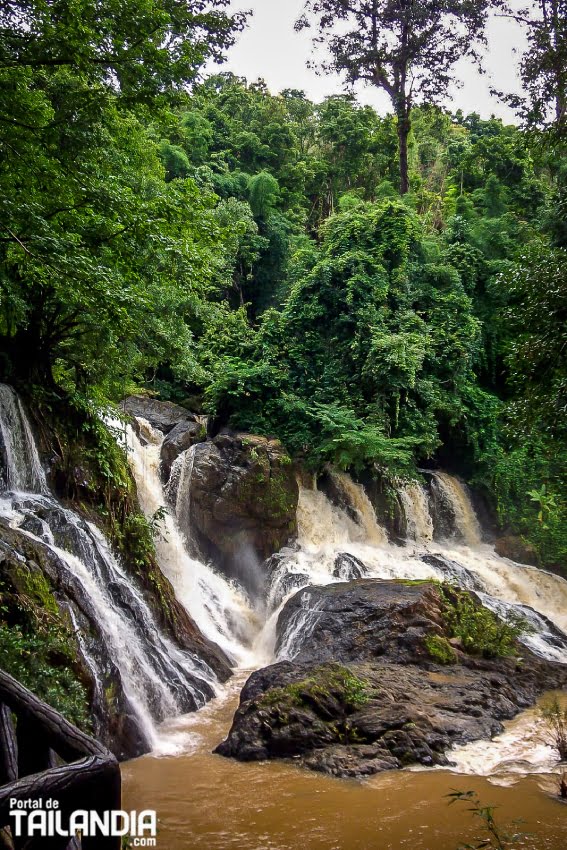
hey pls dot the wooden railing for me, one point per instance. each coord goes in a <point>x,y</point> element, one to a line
<point>44,757</point>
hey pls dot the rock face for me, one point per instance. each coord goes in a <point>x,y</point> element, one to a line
<point>243,501</point>
<point>348,568</point>
<point>38,588</point>
<point>163,415</point>
<point>375,682</point>
<point>513,547</point>
<point>33,581</point>
<point>236,495</point>
<point>181,437</point>
<point>387,506</point>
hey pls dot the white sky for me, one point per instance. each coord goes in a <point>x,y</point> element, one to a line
<point>270,49</point>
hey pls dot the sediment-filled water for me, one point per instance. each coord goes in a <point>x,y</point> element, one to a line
<point>205,801</point>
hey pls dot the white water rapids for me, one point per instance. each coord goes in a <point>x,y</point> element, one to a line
<point>119,638</point>
<point>154,672</point>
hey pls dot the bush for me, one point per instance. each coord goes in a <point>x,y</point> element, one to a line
<point>42,663</point>
<point>480,631</point>
<point>440,649</point>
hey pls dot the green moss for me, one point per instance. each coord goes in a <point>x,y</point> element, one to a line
<point>278,496</point>
<point>37,646</point>
<point>440,649</point>
<point>323,684</point>
<point>411,582</point>
<point>31,585</point>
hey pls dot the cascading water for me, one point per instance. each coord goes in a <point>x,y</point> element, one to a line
<point>224,613</point>
<point>23,470</point>
<point>361,506</point>
<point>327,530</point>
<point>452,499</point>
<point>302,624</point>
<point>220,609</point>
<point>178,489</point>
<point>116,630</point>
<point>158,679</point>
<point>419,523</point>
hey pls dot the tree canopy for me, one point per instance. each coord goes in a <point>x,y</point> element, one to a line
<point>253,254</point>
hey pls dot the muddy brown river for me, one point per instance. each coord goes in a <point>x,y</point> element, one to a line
<point>206,802</point>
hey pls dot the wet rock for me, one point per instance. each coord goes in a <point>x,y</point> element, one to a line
<point>516,549</point>
<point>330,485</point>
<point>363,694</point>
<point>362,619</point>
<point>453,572</point>
<point>34,582</point>
<point>387,506</point>
<point>283,576</point>
<point>441,509</point>
<point>163,415</point>
<point>37,583</point>
<point>348,568</point>
<point>242,503</point>
<point>181,437</point>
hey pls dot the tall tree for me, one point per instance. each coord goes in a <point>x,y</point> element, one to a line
<point>543,67</point>
<point>93,245</point>
<point>408,48</point>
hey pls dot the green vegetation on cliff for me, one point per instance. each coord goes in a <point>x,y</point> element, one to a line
<point>37,645</point>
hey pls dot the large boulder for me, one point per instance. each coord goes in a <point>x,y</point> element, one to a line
<point>242,503</point>
<point>374,681</point>
<point>362,619</point>
<point>162,415</point>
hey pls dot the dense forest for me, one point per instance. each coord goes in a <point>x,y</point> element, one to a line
<point>376,291</point>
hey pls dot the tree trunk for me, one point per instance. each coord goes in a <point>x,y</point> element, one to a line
<point>404,127</point>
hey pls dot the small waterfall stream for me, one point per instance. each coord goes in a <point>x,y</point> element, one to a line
<point>178,487</point>
<point>221,610</point>
<point>117,632</point>
<point>453,501</point>
<point>419,522</point>
<point>23,470</point>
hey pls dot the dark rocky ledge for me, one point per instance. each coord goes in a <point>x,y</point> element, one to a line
<point>378,683</point>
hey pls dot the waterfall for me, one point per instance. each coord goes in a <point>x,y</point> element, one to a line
<point>116,630</point>
<point>178,489</point>
<point>220,609</point>
<point>419,523</point>
<point>321,523</point>
<point>302,624</point>
<point>452,497</point>
<point>327,530</point>
<point>23,470</point>
<point>361,505</point>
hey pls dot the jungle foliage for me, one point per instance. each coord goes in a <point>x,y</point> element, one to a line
<point>209,240</point>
